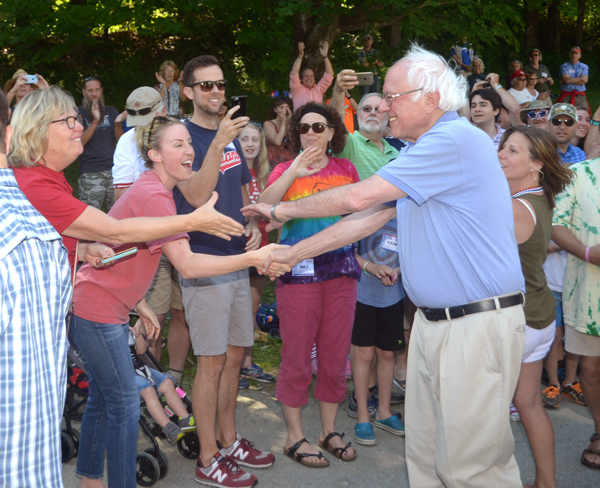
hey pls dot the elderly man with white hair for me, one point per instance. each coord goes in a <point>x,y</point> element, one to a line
<point>460,266</point>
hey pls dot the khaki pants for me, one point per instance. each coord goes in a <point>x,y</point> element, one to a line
<point>461,378</point>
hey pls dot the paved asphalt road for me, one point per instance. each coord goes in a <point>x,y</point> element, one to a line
<point>260,419</point>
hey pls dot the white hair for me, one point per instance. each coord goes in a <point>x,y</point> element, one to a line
<point>431,72</point>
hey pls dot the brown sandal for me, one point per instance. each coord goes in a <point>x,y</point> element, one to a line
<point>338,452</point>
<point>586,462</point>
<point>300,457</point>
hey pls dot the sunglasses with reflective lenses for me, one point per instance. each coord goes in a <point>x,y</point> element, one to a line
<point>568,122</point>
<point>368,110</point>
<point>537,115</point>
<point>317,127</point>
<point>207,86</point>
<point>142,111</point>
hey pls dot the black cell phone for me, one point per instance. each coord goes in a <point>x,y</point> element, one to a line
<point>242,102</point>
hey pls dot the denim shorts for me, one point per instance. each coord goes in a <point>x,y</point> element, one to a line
<point>558,306</point>
<point>143,383</point>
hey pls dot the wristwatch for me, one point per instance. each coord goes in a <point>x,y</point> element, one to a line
<point>595,122</point>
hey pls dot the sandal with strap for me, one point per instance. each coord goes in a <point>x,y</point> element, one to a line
<point>300,457</point>
<point>586,462</point>
<point>338,452</point>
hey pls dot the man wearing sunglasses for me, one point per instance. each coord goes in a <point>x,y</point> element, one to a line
<point>562,125</point>
<point>218,310</point>
<point>460,265</point>
<point>102,129</point>
<point>544,80</point>
<point>536,114</point>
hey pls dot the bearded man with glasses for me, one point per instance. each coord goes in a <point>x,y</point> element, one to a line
<point>563,125</point>
<point>101,131</point>
<point>536,114</point>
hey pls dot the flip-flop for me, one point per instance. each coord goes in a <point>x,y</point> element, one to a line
<point>586,462</point>
<point>338,452</point>
<point>300,457</point>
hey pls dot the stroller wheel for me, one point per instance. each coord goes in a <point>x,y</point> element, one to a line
<point>147,470</point>
<point>68,447</point>
<point>163,461</point>
<point>189,446</point>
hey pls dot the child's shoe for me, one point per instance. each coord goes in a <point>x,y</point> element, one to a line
<point>173,432</point>
<point>187,424</point>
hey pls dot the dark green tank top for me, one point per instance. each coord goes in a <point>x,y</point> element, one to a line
<point>539,301</point>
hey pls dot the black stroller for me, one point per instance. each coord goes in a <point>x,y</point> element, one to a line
<point>152,464</point>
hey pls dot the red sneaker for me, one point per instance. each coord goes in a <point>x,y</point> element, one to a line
<point>224,472</point>
<point>243,452</point>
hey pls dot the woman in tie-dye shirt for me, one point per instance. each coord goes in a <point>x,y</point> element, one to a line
<point>316,300</point>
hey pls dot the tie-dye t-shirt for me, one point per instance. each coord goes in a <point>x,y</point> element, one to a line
<point>333,264</point>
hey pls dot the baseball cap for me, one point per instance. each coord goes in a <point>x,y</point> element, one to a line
<point>140,100</point>
<point>563,109</point>
<point>367,36</point>
<point>576,49</point>
<point>535,50</point>
<point>518,74</point>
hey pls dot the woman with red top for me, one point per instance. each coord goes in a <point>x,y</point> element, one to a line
<point>279,148</point>
<point>46,140</point>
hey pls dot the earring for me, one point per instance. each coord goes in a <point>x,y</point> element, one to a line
<point>538,179</point>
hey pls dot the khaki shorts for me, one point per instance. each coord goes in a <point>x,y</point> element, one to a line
<point>164,292</point>
<point>583,344</point>
<point>218,311</point>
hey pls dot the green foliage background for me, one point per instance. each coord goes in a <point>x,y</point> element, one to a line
<point>124,41</point>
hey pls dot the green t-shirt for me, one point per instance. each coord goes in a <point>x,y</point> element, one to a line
<point>541,72</point>
<point>366,155</point>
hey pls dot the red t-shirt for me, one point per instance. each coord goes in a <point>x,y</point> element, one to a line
<point>52,196</point>
<point>254,191</point>
<point>107,295</point>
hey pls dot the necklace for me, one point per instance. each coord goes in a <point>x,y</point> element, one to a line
<point>536,189</point>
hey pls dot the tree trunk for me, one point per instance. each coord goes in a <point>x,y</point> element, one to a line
<point>313,35</point>
<point>395,35</point>
<point>531,17</point>
<point>554,27</point>
<point>580,16</point>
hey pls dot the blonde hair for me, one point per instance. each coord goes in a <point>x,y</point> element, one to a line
<point>30,121</point>
<point>165,65</point>
<point>261,162</point>
<point>151,135</point>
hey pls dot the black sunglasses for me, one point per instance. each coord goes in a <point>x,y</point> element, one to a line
<point>556,122</point>
<point>317,127</point>
<point>207,86</point>
<point>142,111</point>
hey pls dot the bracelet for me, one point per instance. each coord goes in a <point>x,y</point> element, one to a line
<point>364,268</point>
<point>595,122</point>
<point>498,87</point>
<point>587,254</point>
<point>325,57</point>
<point>273,216</point>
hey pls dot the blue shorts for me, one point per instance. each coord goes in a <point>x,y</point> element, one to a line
<point>558,306</point>
<point>142,383</point>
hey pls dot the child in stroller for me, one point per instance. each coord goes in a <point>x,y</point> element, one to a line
<point>150,382</point>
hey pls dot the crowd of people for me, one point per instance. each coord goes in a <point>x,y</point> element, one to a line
<point>440,234</point>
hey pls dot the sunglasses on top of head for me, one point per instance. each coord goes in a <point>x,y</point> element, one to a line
<point>317,127</point>
<point>207,86</point>
<point>568,122</point>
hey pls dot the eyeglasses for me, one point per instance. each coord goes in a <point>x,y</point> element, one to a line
<point>537,115</point>
<point>388,98</point>
<point>142,111</point>
<point>162,119</point>
<point>535,55</point>
<point>317,127</point>
<point>89,78</point>
<point>567,122</point>
<point>368,109</point>
<point>207,86</point>
<point>71,120</point>
<point>521,79</point>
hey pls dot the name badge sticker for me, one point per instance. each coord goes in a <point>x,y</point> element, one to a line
<point>389,242</point>
<point>304,268</point>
